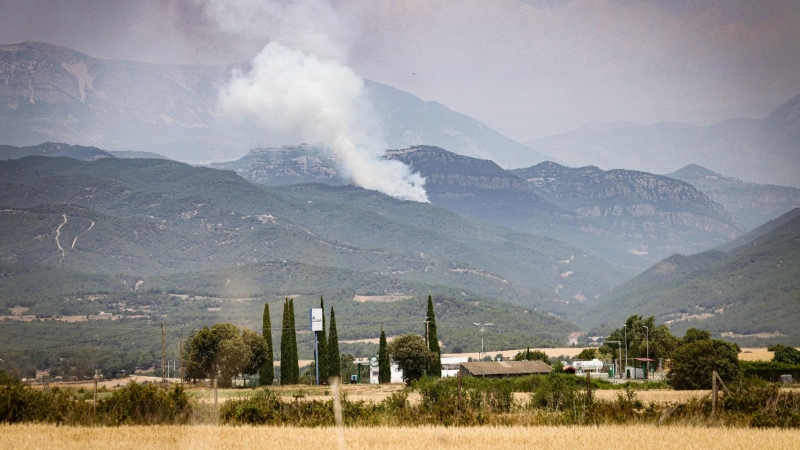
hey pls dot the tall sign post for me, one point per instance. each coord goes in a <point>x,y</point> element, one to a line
<point>315,317</point>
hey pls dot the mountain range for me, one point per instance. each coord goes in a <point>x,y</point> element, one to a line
<point>51,93</point>
<point>752,204</point>
<point>627,217</point>
<point>754,150</point>
<point>747,290</point>
<point>149,217</point>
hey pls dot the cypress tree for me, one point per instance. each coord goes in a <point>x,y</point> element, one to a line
<point>384,365</point>
<point>286,373</point>
<point>433,342</point>
<point>334,362</point>
<point>293,342</point>
<point>323,347</point>
<point>267,371</point>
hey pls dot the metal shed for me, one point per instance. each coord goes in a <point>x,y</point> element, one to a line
<point>504,368</point>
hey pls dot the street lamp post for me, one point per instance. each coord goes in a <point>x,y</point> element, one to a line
<point>647,340</point>
<point>482,325</point>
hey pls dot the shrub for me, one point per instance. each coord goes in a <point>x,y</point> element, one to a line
<point>692,364</point>
<point>769,371</point>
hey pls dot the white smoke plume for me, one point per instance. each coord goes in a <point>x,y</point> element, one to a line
<point>299,86</point>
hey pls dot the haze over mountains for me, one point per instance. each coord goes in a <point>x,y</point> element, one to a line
<point>51,93</point>
<point>747,290</point>
<point>509,232</point>
<point>751,203</point>
<point>763,151</point>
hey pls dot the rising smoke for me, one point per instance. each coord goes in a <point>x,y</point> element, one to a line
<point>300,86</point>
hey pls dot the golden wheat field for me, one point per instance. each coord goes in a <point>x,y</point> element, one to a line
<point>37,437</point>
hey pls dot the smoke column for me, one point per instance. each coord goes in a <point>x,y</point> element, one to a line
<point>298,86</point>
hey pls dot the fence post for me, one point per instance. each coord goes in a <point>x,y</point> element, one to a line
<point>588,387</point>
<point>714,393</point>
<point>458,376</point>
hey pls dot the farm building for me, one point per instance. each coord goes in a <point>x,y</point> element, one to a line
<point>500,369</point>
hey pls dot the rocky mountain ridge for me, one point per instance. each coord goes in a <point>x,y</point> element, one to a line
<point>628,217</point>
<point>751,203</point>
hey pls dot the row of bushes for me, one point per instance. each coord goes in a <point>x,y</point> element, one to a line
<point>135,404</point>
<point>554,399</point>
<point>769,371</point>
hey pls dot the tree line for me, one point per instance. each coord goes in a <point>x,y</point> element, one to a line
<point>224,351</point>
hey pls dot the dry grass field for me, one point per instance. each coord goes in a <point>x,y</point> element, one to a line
<point>37,437</point>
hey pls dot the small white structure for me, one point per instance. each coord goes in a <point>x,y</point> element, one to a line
<point>397,374</point>
<point>451,365</point>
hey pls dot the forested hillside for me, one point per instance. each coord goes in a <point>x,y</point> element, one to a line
<point>750,293</point>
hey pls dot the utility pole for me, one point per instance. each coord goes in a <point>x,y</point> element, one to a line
<point>163,355</point>
<point>180,352</point>
<point>647,340</point>
<point>482,325</point>
<point>625,327</point>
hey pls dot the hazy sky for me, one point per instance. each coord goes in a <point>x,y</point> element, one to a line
<point>527,68</point>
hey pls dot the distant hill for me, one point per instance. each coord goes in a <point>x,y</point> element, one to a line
<point>150,217</point>
<point>627,217</point>
<point>750,293</point>
<point>137,154</point>
<point>752,204</point>
<point>759,151</point>
<point>54,93</point>
<point>54,150</point>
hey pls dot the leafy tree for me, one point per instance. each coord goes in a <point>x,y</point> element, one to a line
<point>384,365</point>
<point>536,355</point>
<point>691,365</point>
<point>267,371</point>
<point>334,362</point>
<point>412,355</point>
<point>225,351</point>
<point>587,354</point>
<point>322,347</point>
<point>433,341</point>
<point>784,354</point>
<point>696,334</point>
<point>659,340</point>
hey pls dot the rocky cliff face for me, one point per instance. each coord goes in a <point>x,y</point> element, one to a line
<point>285,165</point>
<point>631,200</point>
<point>752,204</point>
<point>627,216</point>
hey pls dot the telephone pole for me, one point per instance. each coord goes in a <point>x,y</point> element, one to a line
<point>163,356</point>
<point>180,352</point>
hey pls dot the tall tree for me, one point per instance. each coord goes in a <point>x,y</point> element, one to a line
<point>323,347</point>
<point>286,357</point>
<point>412,356</point>
<point>433,342</point>
<point>384,365</point>
<point>267,371</point>
<point>334,361</point>
<point>295,362</point>
<point>223,351</point>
